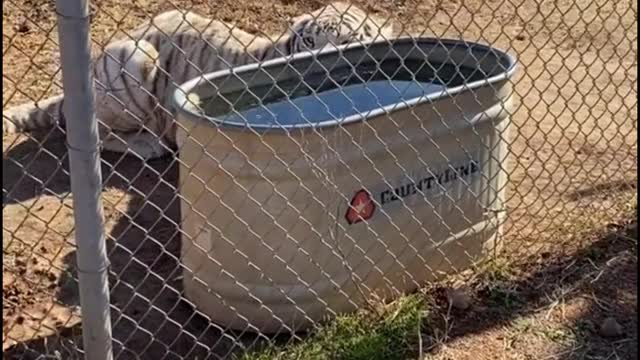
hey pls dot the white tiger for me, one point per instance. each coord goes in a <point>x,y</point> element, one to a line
<point>135,75</point>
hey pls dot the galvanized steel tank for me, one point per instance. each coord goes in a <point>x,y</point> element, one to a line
<point>286,224</point>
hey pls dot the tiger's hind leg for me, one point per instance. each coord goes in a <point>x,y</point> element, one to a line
<point>125,76</point>
<point>126,104</point>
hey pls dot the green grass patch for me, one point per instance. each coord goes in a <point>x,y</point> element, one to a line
<point>392,335</point>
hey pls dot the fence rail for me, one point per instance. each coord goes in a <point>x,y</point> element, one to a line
<point>199,217</point>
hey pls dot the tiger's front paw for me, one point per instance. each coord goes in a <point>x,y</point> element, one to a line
<point>147,148</point>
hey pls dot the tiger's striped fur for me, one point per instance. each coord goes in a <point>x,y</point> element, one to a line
<point>134,76</point>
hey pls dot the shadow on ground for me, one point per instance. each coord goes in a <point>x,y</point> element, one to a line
<point>151,322</point>
<point>600,277</point>
<point>149,319</point>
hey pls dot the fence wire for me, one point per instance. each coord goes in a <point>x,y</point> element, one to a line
<point>232,213</point>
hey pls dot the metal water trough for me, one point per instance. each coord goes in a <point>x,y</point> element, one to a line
<point>384,171</point>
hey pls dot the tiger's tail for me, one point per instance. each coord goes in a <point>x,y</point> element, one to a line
<point>31,116</point>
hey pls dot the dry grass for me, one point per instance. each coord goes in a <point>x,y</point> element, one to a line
<point>551,306</point>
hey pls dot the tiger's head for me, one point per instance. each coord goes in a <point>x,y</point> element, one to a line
<point>336,24</point>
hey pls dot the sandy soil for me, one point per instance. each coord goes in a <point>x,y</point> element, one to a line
<point>573,168</point>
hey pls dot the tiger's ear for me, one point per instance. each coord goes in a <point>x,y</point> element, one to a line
<point>388,30</point>
<point>298,23</point>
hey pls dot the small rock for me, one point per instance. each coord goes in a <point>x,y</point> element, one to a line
<point>459,299</point>
<point>7,279</point>
<point>22,26</point>
<point>610,328</point>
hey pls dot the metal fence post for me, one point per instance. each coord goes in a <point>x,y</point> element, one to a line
<point>86,177</point>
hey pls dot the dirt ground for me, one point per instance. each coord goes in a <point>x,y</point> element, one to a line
<point>573,170</point>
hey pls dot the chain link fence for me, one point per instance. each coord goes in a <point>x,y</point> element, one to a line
<point>570,168</point>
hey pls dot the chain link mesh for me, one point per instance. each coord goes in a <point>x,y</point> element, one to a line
<point>571,166</point>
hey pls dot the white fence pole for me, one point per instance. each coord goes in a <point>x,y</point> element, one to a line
<point>86,177</point>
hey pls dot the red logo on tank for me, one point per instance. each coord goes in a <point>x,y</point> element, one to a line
<point>360,208</point>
